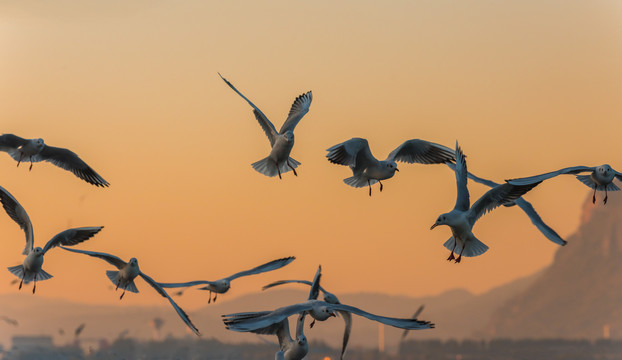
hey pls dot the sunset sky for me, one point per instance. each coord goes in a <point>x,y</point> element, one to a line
<point>132,86</point>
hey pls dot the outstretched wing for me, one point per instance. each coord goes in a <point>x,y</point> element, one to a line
<point>463,201</point>
<point>68,160</point>
<point>538,178</point>
<point>269,266</point>
<point>618,175</point>
<point>186,284</point>
<point>539,223</point>
<point>72,237</point>
<point>315,285</point>
<point>182,314</point>
<point>244,322</point>
<point>422,152</point>
<point>266,125</point>
<point>299,108</point>
<point>411,324</point>
<point>495,197</point>
<point>347,318</point>
<point>15,210</point>
<point>354,153</point>
<point>282,282</point>
<point>10,142</point>
<point>111,259</point>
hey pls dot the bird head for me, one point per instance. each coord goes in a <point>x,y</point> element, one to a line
<point>442,220</point>
<point>301,340</point>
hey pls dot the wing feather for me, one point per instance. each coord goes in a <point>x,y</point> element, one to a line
<point>10,142</point>
<point>299,108</point>
<point>538,178</point>
<point>111,259</point>
<point>462,198</point>
<point>422,152</point>
<point>411,324</point>
<point>72,237</point>
<point>16,212</point>
<point>354,153</point>
<point>269,266</point>
<point>68,160</point>
<point>495,197</point>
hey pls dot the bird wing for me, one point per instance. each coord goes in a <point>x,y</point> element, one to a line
<point>315,285</point>
<point>347,318</point>
<point>299,108</point>
<point>300,324</point>
<point>72,237</point>
<point>475,178</point>
<point>462,198</point>
<point>415,315</point>
<point>618,175</point>
<point>422,152</point>
<point>495,197</point>
<point>266,125</point>
<point>269,266</point>
<point>247,322</point>
<point>111,259</point>
<point>15,210</point>
<point>538,222</point>
<point>68,160</point>
<point>354,153</point>
<point>411,324</point>
<point>282,282</point>
<point>186,284</point>
<point>538,178</point>
<point>10,142</point>
<point>182,314</point>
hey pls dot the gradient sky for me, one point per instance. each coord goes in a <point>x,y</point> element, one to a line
<point>133,87</point>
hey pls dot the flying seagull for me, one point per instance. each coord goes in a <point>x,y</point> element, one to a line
<point>367,170</point>
<point>289,349</point>
<point>282,142</point>
<point>124,278</point>
<point>35,150</point>
<point>31,268</point>
<point>222,286</point>
<point>599,179</point>
<point>525,206</point>
<point>462,218</point>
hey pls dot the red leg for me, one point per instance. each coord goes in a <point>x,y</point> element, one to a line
<point>451,257</point>
<point>35,285</point>
<point>21,155</point>
<point>460,256</point>
<point>291,167</point>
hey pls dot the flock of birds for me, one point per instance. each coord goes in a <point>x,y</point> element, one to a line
<point>366,171</point>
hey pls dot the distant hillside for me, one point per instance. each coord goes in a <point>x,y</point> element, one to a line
<point>581,293</point>
<point>38,315</point>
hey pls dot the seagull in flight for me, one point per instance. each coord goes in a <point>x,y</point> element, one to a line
<point>525,206</point>
<point>600,178</point>
<point>462,218</point>
<point>282,142</point>
<point>124,278</point>
<point>289,349</point>
<point>223,285</point>
<point>31,268</point>
<point>367,170</point>
<point>35,150</point>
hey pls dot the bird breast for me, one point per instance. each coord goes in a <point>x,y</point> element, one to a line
<point>281,149</point>
<point>33,262</point>
<point>379,172</point>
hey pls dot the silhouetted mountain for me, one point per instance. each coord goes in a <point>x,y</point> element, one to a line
<point>580,294</point>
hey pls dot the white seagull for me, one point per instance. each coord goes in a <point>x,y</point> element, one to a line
<point>367,170</point>
<point>525,206</point>
<point>599,179</point>
<point>462,218</point>
<point>124,278</point>
<point>282,142</point>
<point>329,298</point>
<point>31,268</point>
<point>35,150</point>
<point>222,286</point>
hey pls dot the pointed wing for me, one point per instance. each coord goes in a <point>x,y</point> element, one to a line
<point>10,142</point>
<point>269,266</point>
<point>182,314</point>
<point>15,210</point>
<point>354,153</point>
<point>315,286</point>
<point>415,315</point>
<point>495,197</point>
<point>299,108</point>
<point>347,318</point>
<point>111,259</point>
<point>186,284</point>
<point>300,324</point>
<point>246,322</point>
<point>411,324</point>
<point>462,198</point>
<point>282,282</point>
<point>72,237</point>
<point>538,178</point>
<point>266,125</point>
<point>618,175</point>
<point>422,152</point>
<point>475,178</point>
<point>68,160</point>
<point>539,223</point>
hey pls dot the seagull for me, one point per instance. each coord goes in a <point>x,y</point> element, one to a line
<point>599,179</point>
<point>282,142</point>
<point>31,270</point>
<point>367,170</point>
<point>124,278</point>
<point>415,315</point>
<point>289,349</point>
<point>525,206</point>
<point>222,286</point>
<point>35,150</point>
<point>329,298</point>
<point>462,218</point>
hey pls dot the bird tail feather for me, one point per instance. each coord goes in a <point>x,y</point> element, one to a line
<point>472,248</point>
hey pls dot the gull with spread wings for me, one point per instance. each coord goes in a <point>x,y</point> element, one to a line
<point>222,286</point>
<point>367,170</point>
<point>124,278</point>
<point>462,218</point>
<point>35,150</point>
<point>31,268</point>
<point>282,142</point>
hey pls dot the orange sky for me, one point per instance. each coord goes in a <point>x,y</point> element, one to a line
<point>525,87</point>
